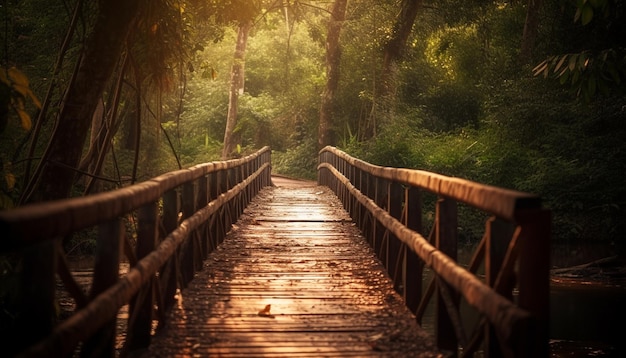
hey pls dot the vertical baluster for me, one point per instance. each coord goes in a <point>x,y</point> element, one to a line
<point>359,216</point>
<point>247,191</point>
<point>105,274</point>
<point>222,218</point>
<point>320,180</point>
<point>371,193</point>
<point>395,206</point>
<point>499,235</point>
<point>213,194</point>
<point>36,296</point>
<point>241,197</point>
<point>446,242</point>
<point>350,175</point>
<point>169,272</point>
<point>534,279</point>
<point>231,205</point>
<point>201,201</point>
<point>188,247</point>
<point>268,170</point>
<point>140,317</point>
<point>414,267</point>
<point>382,243</point>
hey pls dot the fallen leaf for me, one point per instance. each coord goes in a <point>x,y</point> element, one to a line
<point>266,312</point>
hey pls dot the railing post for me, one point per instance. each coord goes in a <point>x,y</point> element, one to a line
<point>268,177</point>
<point>201,201</point>
<point>169,272</point>
<point>249,190</point>
<point>371,193</point>
<point>534,279</point>
<point>446,242</point>
<point>320,160</point>
<point>105,274</point>
<point>395,205</point>
<point>241,197</point>
<point>380,198</point>
<point>36,292</point>
<point>222,217</point>
<point>213,226</point>
<point>188,246</point>
<point>498,236</point>
<point>140,312</point>
<point>231,206</point>
<point>414,266</point>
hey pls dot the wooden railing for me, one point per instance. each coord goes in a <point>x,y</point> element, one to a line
<point>506,282</point>
<point>178,218</point>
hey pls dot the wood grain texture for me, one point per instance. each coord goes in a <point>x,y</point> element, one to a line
<point>296,250</point>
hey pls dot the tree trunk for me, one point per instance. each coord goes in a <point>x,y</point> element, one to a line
<point>56,171</point>
<point>394,50</point>
<point>236,88</point>
<point>531,26</point>
<point>326,135</point>
<point>395,47</point>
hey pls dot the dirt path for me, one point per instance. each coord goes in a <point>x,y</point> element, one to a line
<point>286,182</point>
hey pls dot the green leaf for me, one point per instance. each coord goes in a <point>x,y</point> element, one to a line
<point>572,62</point>
<point>540,68</point>
<point>583,60</point>
<point>564,76</point>
<point>587,14</point>
<point>560,63</point>
<point>575,76</point>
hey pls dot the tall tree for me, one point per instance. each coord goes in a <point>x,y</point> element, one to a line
<point>56,170</point>
<point>395,47</point>
<point>241,13</point>
<point>237,77</point>
<point>394,50</point>
<point>531,26</point>
<point>326,135</point>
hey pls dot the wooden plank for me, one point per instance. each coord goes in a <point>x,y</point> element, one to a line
<point>295,252</point>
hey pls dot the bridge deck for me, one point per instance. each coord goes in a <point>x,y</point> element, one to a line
<point>294,278</point>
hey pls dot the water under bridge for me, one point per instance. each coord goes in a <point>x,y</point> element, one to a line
<point>224,260</point>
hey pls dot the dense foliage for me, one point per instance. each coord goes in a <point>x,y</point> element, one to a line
<point>464,102</point>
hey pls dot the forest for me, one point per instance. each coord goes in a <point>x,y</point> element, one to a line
<point>523,94</point>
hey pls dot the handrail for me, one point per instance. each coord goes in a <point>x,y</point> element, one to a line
<point>386,204</point>
<point>181,217</point>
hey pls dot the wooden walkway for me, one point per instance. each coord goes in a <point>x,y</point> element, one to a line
<point>294,278</point>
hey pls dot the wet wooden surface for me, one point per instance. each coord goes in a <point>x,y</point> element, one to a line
<point>294,278</point>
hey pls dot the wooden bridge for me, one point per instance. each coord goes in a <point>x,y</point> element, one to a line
<point>223,263</point>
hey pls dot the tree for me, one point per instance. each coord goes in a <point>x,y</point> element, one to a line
<point>531,26</point>
<point>237,77</point>
<point>326,134</point>
<point>241,13</point>
<point>55,173</point>
<point>394,50</point>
